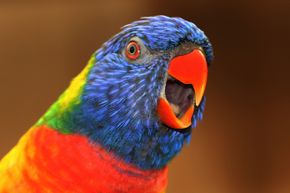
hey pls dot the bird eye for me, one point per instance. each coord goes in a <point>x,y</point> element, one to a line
<point>132,50</point>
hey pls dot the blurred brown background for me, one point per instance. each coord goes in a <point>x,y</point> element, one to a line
<point>242,145</point>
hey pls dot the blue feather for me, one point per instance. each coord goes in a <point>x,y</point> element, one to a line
<point>118,108</point>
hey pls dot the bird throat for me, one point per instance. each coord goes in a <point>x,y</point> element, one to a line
<point>73,164</point>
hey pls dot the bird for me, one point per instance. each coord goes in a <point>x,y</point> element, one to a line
<point>122,119</point>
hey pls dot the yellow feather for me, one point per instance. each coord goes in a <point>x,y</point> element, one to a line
<point>72,93</point>
<point>11,165</point>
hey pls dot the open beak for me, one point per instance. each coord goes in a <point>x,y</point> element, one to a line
<point>184,89</point>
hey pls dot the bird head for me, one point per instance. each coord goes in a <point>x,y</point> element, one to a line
<point>142,92</point>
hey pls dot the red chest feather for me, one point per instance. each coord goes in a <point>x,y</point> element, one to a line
<point>54,162</point>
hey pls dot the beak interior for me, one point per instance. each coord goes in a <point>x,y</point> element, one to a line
<point>183,89</point>
<point>180,96</point>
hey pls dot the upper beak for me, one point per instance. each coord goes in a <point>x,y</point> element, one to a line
<point>189,69</point>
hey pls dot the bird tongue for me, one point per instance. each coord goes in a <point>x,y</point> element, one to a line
<point>189,69</point>
<point>180,96</point>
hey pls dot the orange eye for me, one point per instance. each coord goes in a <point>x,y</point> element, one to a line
<point>132,50</point>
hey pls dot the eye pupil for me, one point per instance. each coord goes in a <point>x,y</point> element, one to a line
<point>132,49</point>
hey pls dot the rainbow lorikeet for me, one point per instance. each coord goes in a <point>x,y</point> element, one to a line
<point>122,119</point>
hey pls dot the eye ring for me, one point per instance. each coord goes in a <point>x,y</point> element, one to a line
<point>132,50</point>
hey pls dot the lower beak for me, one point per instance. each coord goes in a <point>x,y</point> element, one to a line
<point>189,69</point>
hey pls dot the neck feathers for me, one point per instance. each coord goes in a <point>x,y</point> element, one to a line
<point>67,102</point>
<point>55,162</point>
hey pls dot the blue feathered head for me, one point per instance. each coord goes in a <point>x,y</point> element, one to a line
<point>144,91</point>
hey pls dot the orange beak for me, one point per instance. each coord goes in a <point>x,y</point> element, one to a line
<point>188,69</point>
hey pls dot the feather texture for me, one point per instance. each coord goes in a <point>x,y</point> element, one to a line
<point>47,161</point>
<point>103,134</point>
